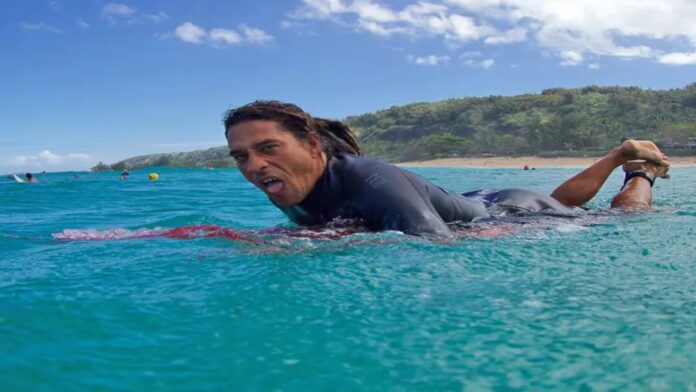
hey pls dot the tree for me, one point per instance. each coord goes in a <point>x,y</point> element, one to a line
<point>101,166</point>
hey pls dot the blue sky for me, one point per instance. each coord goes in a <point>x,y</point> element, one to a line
<point>87,81</point>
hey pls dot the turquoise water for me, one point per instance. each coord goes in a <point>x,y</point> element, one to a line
<point>595,304</point>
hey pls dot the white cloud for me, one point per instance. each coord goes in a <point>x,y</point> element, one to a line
<point>254,35</point>
<point>286,24</point>
<point>155,18</point>
<point>82,24</point>
<point>431,60</point>
<point>40,27</point>
<point>164,36</point>
<point>594,26</point>
<point>225,36</point>
<point>301,29</point>
<point>593,66</point>
<point>517,34</point>
<point>678,58</point>
<point>571,58</point>
<point>49,157</point>
<point>47,160</point>
<point>379,29</point>
<point>373,11</point>
<point>319,9</point>
<point>117,10</point>
<point>573,30</point>
<point>466,28</point>
<point>483,64</point>
<point>191,33</point>
<point>123,13</point>
<point>475,59</point>
<point>471,54</point>
<point>422,18</point>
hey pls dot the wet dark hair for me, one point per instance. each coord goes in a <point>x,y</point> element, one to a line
<point>29,176</point>
<point>335,136</point>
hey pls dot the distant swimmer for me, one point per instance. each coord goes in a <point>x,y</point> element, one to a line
<point>124,175</point>
<point>29,178</point>
<point>313,170</point>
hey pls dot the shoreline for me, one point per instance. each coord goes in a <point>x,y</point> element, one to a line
<point>531,161</point>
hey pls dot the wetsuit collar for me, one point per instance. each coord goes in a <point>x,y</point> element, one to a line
<point>316,195</point>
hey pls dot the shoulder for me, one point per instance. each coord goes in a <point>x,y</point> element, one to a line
<point>378,181</point>
<point>362,170</point>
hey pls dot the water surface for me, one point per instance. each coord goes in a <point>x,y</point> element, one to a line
<point>586,304</point>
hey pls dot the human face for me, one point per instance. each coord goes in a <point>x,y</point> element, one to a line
<point>274,160</point>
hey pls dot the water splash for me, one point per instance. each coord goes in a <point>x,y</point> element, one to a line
<point>204,231</point>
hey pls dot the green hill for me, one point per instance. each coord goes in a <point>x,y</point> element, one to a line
<point>213,157</point>
<point>557,122</point>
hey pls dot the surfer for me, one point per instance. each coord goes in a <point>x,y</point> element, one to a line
<point>314,171</point>
<point>29,178</point>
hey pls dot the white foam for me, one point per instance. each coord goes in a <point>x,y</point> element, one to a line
<point>569,228</point>
<point>108,234</point>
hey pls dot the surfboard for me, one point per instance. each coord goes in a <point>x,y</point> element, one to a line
<point>204,231</point>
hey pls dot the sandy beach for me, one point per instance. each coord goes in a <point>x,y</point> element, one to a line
<point>531,161</point>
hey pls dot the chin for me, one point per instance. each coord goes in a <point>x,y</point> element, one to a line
<point>280,201</point>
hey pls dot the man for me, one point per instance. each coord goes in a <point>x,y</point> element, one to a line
<point>30,177</point>
<point>312,169</point>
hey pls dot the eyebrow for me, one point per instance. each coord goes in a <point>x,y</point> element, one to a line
<point>255,146</point>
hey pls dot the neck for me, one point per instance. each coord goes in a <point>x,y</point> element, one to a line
<point>322,164</point>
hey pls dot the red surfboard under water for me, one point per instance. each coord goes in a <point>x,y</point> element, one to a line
<point>204,231</point>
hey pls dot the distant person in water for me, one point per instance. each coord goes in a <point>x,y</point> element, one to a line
<point>30,177</point>
<point>313,170</point>
<point>124,175</point>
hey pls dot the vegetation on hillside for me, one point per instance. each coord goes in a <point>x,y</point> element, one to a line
<point>212,157</point>
<point>557,122</point>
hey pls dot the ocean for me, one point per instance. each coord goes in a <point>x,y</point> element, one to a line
<point>93,298</point>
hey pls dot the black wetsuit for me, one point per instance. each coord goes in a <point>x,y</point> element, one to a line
<point>386,197</point>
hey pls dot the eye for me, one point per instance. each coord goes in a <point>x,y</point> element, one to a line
<point>268,148</point>
<point>239,157</point>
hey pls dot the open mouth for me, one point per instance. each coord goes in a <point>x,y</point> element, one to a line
<point>272,185</point>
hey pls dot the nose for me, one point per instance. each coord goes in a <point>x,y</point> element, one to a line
<point>255,163</point>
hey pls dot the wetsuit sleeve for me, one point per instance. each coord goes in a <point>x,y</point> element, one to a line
<point>388,200</point>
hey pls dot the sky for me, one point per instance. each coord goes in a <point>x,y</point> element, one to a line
<point>83,81</point>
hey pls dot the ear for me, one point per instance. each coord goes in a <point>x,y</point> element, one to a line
<point>315,147</point>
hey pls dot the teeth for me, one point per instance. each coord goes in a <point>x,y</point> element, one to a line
<point>266,181</point>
